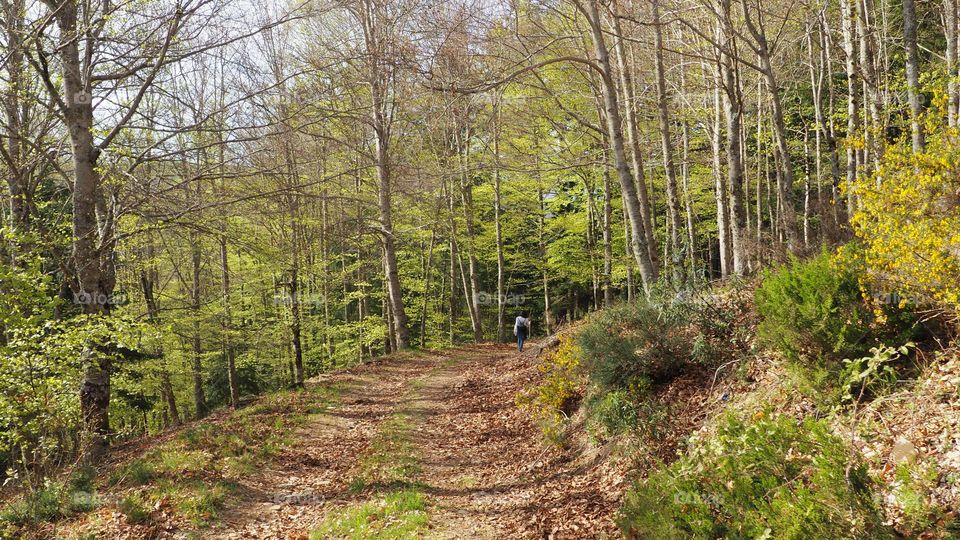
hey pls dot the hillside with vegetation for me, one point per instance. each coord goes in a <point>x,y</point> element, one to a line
<point>261,263</point>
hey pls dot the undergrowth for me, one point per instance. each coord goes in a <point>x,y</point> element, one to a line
<point>770,477</point>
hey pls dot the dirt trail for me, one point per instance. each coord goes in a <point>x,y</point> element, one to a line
<point>481,465</point>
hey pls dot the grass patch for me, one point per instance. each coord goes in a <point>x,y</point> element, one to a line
<point>134,509</point>
<point>399,514</point>
<point>392,460</point>
<point>398,506</point>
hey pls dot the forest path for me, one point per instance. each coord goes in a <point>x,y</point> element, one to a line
<point>427,445</point>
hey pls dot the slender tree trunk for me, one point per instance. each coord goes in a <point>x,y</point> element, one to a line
<point>685,176</point>
<point>633,139</point>
<point>227,326</point>
<point>663,115</point>
<point>733,114</point>
<point>541,232</point>
<point>648,272</point>
<point>147,282</point>
<point>12,15</point>
<point>199,400</point>
<point>721,192</point>
<point>788,215</point>
<point>913,73</point>
<point>232,380</point>
<point>607,238</point>
<point>627,243</point>
<point>950,32</point>
<point>454,255</point>
<point>374,22</point>
<point>466,196</point>
<point>873,128</point>
<point>806,187</point>
<point>427,271</point>
<point>295,315</point>
<point>853,104</point>
<point>497,210</point>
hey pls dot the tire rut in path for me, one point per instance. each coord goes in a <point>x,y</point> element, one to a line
<point>293,493</point>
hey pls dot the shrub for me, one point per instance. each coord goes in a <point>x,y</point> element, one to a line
<point>555,398</point>
<point>628,343</point>
<point>873,374</point>
<point>913,486</point>
<point>771,478</point>
<point>44,504</point>
<point>612,413</point>
<point>812,311</point>
<point>909,222</point>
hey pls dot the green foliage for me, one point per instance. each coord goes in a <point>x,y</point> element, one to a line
<point>817,315</point>
<point>630,344</point>
<point>203,503</point>
<point>612,413</point>
<point>770,478</point>
<point>912,488</point>
<point>812,312</point>
<point>46,503</point>
<point>870,375</point>
<point>51,501</point>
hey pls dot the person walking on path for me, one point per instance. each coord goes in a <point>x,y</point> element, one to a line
<point>521,329</point>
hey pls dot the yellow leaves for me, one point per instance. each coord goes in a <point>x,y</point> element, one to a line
<point>909,222</point>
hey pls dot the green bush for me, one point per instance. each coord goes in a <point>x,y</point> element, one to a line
<point>631,344</point>
<point>813,312</point>
<point>611,413</point>
<point>44,504</point>
<point>772,478</point>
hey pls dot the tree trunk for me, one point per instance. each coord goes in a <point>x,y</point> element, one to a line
<point>721,190</point>
<point>227,327</point>
<point>633,139</point>
<point>92,256</point>
<point>380,76</point>
<point>541,230</point>
<point>648,272</point>
<point>788,215</point>
<point>497,210</point>
<point>427,272</point>
<point>950,31</point>
<point>733,114</point>
<point>466,196</point>
<point>607,238</point>
<point>199,400</point>
<point>853,105</point>
<point>147,282</point>
<point>663,116</point>
<point>913,73</point>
